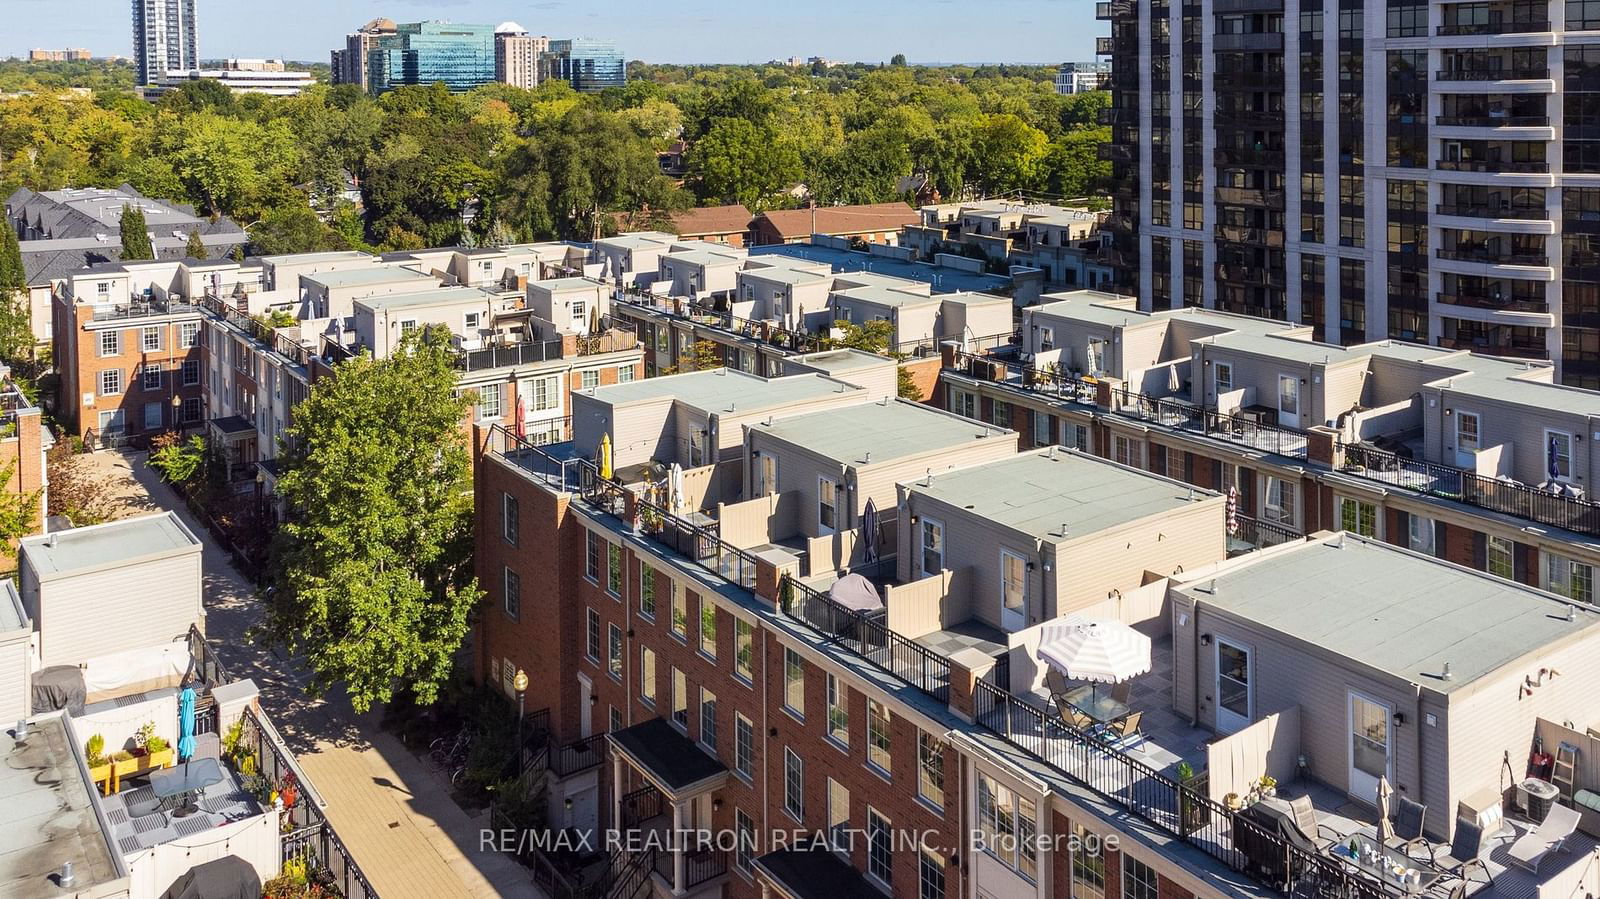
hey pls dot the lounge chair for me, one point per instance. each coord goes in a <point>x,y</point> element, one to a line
<point>1466,852</point>
<point>1305,820</point>
<point>1408,822</point>
<point>1551,834</point>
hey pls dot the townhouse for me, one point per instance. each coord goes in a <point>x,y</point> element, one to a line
<point>753,684</point>
<point>1063,242</point>
<point>871,223</point>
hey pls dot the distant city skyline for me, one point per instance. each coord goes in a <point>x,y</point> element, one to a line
<point>693,31</point>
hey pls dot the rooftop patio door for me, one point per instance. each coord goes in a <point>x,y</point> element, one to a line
<point>1235,692</point>
<point>1370,741</point>
<point>1289,401</point>
<point>1013,591</point>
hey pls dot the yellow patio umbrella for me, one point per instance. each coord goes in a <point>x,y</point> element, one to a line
<point>605,457</point>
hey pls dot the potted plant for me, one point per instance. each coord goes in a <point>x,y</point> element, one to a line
<point>94,750</point>
<point>123,763</point>
<point>1192,812</point>
<point>141,737</point>
<point>1267,786</point>
<point>290,791</point>
<point>158,752</point>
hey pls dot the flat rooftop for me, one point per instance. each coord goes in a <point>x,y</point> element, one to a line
<point>784,274</point>
<point>12,618</point>
<point>440,296</point>
<point>558,284</point>
<point>1536,394</point>
<point>943,279</point>
<point>315,258</point>
<point>363,277</point>
<point>1394,610</point>
<point>698,256</point>
<point>879,432</point>
<point>721,389</point>
<point>643,240</point>
<point>890,297</point>
<point>63,552</point>
<point>847,359</point>
<point>50,816</point>
<point>1035,494</point>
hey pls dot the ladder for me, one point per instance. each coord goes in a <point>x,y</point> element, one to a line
<point>1561,772</point>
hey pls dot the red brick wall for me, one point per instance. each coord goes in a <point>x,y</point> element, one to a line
<point>925,374</point>
<point>81,365</point>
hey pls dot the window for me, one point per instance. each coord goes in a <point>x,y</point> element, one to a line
<point>932,547</point>
<point>1569,578</point>
<point>546,393</point>
<point>111,382</point>
<point>589,379</point>
<point>614,569</point>
<point>1127,451</point>
<point>149,339</point>
<point>614,652</point>
<point>1005,826</point>
<point>150,376</point>
<point>1075,436</point>
<point>794,683</point>
<point>591,556</point>
<point>794,771</point>
<point>708,719</point>
<point>1279,503</point>
<point>471,321</point>
<point>647,676</point>
<point>509,518</point>
<point>591,643</point>
<point>152,416</point>
<point>1358,517</point>
<point>191,372</point>
<point>964,403</point>
<point>680,612</point>
<point>1499,557</point>
<point>1558,455</point>
<point>488,402</point>
<point>880,844</point>
<point>1420,534</point>
<point>1088,866</point>
<point>745,848</point>
<point>766,474</point>
<point>103,288</point>
<point>1000,413</point>
<point>647,591</point>
<point>930,874</point>
<point>680,699</point>
<point>1042,432</point>
<point>827,505</point>
<point>614,717</point>
<point>708,628</point>
<point>743,650</point>
<point>191,408</point>
<point>744,746</point>
<point>878,739</point>
<point>838,816</point>
<point>838,712</point>
<point>512,593</point>
<point>407,325</point>
<point>1223,372</point>
<point>930,769</point>
<point>1139,880</point>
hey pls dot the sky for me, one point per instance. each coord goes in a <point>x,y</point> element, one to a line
<point>1021,31</point>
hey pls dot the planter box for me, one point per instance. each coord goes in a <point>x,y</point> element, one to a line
<point>102,776</point>
<point>139,764</point>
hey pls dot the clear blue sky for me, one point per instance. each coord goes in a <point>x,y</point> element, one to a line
<point>1035,31</point>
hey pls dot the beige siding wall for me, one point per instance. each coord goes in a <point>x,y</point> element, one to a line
<point>1143,346</point>
<point>1262,374</point>
<point>979,320</point>
<point>1087,570</point>
<point>1342,385</point>
<point>1503,423</point>
<point>118,608</point>
<point>15,699</point>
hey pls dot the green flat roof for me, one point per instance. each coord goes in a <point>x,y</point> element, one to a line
<point>885,431</point>
<point>717,389</point>
<point>1035,493</point>
<point>363,277</point>
<point>1394,610</point>
<point>63,552</point>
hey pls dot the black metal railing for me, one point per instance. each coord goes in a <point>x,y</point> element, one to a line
<point>207,667</point>
<point>630,877</point>
<point>1047,378</point>
<point>641,805</point>
<point>144,308</point>
<point>699,865</point>
<point>1448,482</point>
<point>1258,533</point>
<point>578,756</point>
<point>868,636</point>
<point>1237,428</point>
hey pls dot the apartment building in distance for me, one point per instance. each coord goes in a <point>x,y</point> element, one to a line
<point>165,39</point>
<point>1082,77</point>
<point>242,76</point>
<point>795,607</point>
<point>1065,243</point>
<point>516,55</point>
<point>461,56</point>
<point>72,55</point>
<point>350,64</point>
<point>1415,172</point>
<point>588,64</point>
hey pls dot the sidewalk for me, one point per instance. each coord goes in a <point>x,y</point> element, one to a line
<point>396,818</point>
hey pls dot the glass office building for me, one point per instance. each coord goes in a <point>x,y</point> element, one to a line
<point>589,65</point>
<point>461,56</point>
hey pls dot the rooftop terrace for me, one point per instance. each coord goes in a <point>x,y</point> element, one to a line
<point>50,815</point>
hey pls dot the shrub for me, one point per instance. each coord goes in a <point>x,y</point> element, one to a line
<point>155,745</point>
<point>95,749</point>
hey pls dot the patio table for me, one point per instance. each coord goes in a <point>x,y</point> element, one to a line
<point>1379,861</point>
<point>185,780</point>
<point>1097,704</point>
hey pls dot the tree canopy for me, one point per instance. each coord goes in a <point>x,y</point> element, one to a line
<point>135,236</point>
<point>374,590</point>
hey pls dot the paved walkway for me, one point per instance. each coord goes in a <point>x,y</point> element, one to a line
<point>391,811</point>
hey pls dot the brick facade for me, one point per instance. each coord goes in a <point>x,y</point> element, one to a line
<point>141,343</point>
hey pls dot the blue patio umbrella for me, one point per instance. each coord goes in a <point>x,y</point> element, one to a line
<point>186,723</point>
<point>1553,460</point>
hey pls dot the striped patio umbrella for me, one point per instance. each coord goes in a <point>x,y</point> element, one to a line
<point>1096,651</point>
<point>1233,510</point>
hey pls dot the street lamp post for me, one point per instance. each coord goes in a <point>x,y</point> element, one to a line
<point>520,683</point>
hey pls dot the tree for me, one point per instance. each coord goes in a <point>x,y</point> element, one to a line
<point>19,512</point>
<point>899,59</point>
<point>739,162</point>
<point>178,462</point>
<point>375,589</point>
<point>76,492</point>
<point>16,326</point>
<point>906,385</point>
<point>1007,152</point>
<point>293,229</point>
<point>135,237</point>
<point>196,248</point>
<point>702,356</point>
<point>12,275</point>
<point>872,337</point>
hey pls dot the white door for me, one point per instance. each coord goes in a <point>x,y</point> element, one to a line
<point>1468,440</point>
<point>1235,692</point>
<point>1223,373</point>
<point>1013,591</point>
<point>1369,746</point>
<point>1289,401</point>
<point>766,474</point>
<point>932,547</point>
<point>585,706</point>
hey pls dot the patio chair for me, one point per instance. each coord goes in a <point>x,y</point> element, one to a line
<point>1122,692</point>
<point>1305,820</point>
<point>1466,852</point>
<point>1408,822</point>
<point>1074,717</point>
<point>1056,682</point>
<point>1126,726</point>
<point>1551,834</point>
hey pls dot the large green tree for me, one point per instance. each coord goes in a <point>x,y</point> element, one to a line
<point>135,234</point>
<point>12,276</point>
<point>371,573</point>
<point>739,162</point>
<point>16,328</point>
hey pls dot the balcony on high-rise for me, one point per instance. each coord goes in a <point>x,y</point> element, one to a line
<point>1494,18</point>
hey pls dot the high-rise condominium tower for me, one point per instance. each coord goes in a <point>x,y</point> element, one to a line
<point>164,38</point>
<point>1427,171</point>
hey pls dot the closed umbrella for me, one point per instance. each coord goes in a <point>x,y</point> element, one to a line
<point>869,531</point>
<point>1385,828</point>
<point>1095,651</point>
<point>674,488</point>
<point>605,458</point>
<point>186,723</point>
<point>1233,510</point>
<point>1174,383</point>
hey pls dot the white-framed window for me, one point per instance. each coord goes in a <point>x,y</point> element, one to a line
<point>744,746</point>
<point>1279,504</point>
<point>150,339</point>
<point>708,720</point>
<point>112,422</point>
<point>708,628</point>
<point>191,408</point>
<point>152,416</point>
<point>680,612</point>
<point>110,382</point>
<point>110,343</point>
<point>1088,866</point>
<point>1222,373</point>
<point>827,505</point>
<point>930,874</point>
<point>510,518</point>
<point>1358,517</point>
<point>188,334</point>
<point>647,592</point>
<point>1000,414</point>
<point>407,325</point>
<point>624,374</point>
<point>1127,450</point>
<point>1006,826</point>
<point>647,676</point>
<point>102,288</point>
<point>1047,339</point>
<point>488,401</point>
<point>591,642</point>
<point>511,594</point>
<point>546,393</point>
<point>191,372</point>
<point>744,849</point>
<point>1558,455</point>
<point>838,816</point>
<point>471,321</point>
<point>879,740</point>
<point>1569,577</point>
<point>880,847</point>
<point>1139,880</point>
<point>838,711</point>
<point>591,556</point>
<point>794,781</point>
<point>932,546</point>
<point>150,376</point>
<point>589,379</point>
<point>614,717</point>
<point>964,403</point>
<point>614,569</point>
<point>794,683</point>
<point>614,652</point>
<point>930,769</point>
<point>1075,436</point>
<point>1500,556</point>
<point>1042,435</point>
<point>680,699</point>
<point>1420,534</point>
<point>744,650</point>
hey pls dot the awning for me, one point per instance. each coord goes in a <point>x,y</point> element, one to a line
<point>814,873</point>
<point>668,758</point>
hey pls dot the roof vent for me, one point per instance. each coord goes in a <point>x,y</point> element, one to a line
<point>22,729</point>
<point>1052,452</point>
<point>1572,612</point>
<point>868,460</point>
<point>66,879</point>
<point>927,478</point>
<point>1340,544</point>
<point>1447,675</point>
<point>51,540</point>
